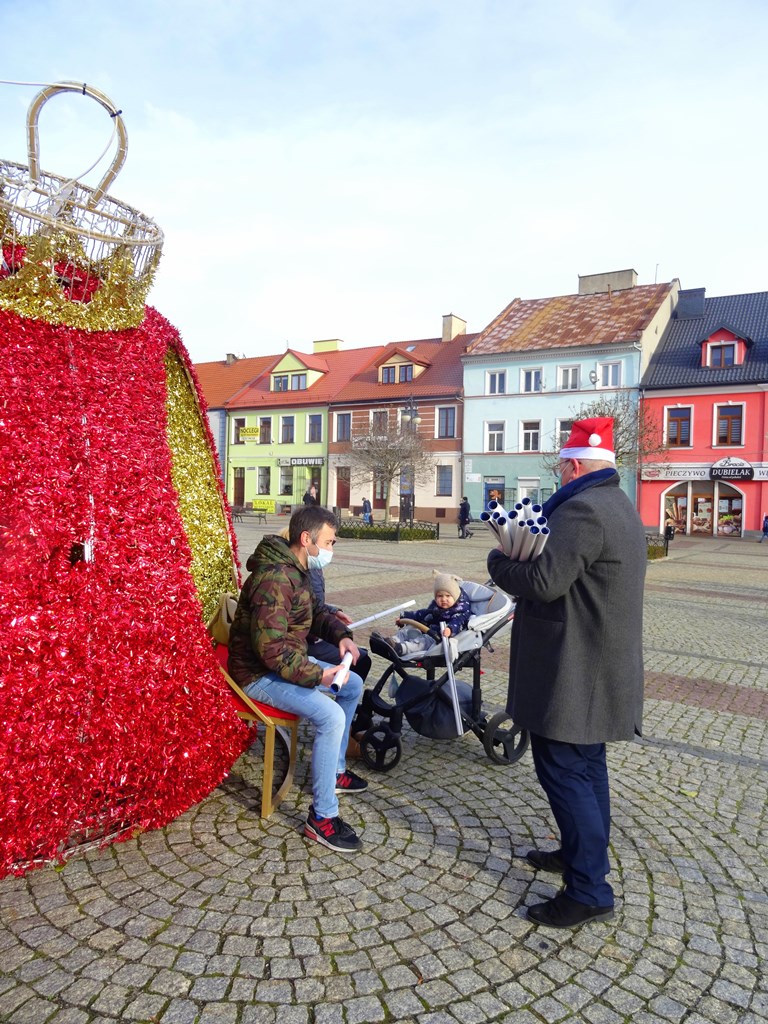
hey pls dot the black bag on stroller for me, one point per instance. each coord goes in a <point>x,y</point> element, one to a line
<point>428,709</point>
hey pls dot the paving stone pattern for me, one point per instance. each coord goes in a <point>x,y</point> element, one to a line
<point>222,918</point>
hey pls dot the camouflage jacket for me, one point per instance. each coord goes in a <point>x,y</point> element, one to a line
<point>275,614</point>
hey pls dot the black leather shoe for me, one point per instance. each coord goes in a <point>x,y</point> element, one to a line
<point>564,912</point>
<point>546,860</point>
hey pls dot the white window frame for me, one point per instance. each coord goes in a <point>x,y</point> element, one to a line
<point>529,375</point>
<point>526,484</point>
<point>603,370</point>
<point>568,370</point>
<point>716,416</point>
<point>667,409</point>
<point>262,473</point>
<point>525,429</point>
<point>445,437</point>
<point>337,417</point>
<point>283,418</point>
<point>712,345</point>
<point>322,432</point>
<point>496,434</point>
<point>492,377</point>
<point>449,492</point>
<point>559,430</point>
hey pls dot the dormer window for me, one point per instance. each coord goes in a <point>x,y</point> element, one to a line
<point>280,382</point>
<point>406,373</point>
<point>387,375</point>
<point>722,355</point>
<point>298,382</point>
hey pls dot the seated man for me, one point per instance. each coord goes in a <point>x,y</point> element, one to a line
<point>268,658</point>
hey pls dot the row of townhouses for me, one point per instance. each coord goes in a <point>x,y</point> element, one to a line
<point>490,408</point>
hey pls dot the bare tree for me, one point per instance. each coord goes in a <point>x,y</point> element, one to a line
<point>390,451</point>
<point>638,434</point>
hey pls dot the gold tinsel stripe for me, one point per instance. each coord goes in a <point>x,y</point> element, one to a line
<point>194,477</point>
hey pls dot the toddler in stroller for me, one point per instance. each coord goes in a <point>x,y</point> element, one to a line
<point>447,615</point>
<point>430,697</point>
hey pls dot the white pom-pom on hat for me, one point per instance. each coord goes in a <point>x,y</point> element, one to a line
<point>594,440</point>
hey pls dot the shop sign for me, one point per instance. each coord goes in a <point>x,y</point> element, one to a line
<point>731,468</point>
<point>249,433</point>
<point>308,460</point>
<point>674,471</point>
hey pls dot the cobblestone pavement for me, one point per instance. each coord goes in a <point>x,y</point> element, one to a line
<point>223,918</point>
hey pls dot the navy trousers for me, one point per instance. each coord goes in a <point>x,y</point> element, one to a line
<point>575,779</point>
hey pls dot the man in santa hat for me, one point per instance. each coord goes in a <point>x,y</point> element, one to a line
<point>576,664</point>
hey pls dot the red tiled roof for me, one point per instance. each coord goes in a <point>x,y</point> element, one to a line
<point>340,367</point>
<point>220,380</point>
<point>444,373</point>
<point>568,321</point>
<point>310,360</point>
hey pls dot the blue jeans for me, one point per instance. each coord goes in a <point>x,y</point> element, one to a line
<point>332,720</point>
<point>575,778</point>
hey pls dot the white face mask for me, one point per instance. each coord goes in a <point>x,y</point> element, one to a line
<point>320,560</point>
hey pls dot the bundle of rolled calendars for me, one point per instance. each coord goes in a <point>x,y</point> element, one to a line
<point>522,532</point>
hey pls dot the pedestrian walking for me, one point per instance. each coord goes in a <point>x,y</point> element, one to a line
<point>765,529</point>
<point>465,517</point>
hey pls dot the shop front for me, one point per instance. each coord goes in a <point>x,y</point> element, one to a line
<point>721,500</point>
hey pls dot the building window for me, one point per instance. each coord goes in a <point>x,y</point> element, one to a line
<point>563,432</point>
<point>264,477</point>
<point>496,383</point>
<point>265,430</point>
<point>443,481</point>
<point>343,426</point>
<point>530,381</point>
<point>286,480</point>
<point>446,421</point>
<point>237,426</point>
<point>679,428</point>
<point>387,375</point>
<point>529,488</point>
<point>406,373</point>
<point>722,355</point>
<point>286,430</point>
<point>531,431</point>
<point>379,422</point>
<point>729,419</point>
<point>280,383</point>
<point>568,378</point>
<point>609,375</point>
<point>494,437</point>
<point>298,382</point>
<point>314,428</point>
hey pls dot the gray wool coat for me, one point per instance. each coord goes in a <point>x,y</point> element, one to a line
<point>576,659</point>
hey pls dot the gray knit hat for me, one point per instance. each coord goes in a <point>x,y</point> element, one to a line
<point>449,583</point>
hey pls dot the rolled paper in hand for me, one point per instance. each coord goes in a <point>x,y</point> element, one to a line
<point>536,509</point>
<point>379,615</point>
<point>485,517</point>
<point>529,539</point>
<point>540,541</point>
<point>337,684</point>
<point>525,502</point>
<point>517,538</point>
<point>496,506</point>
<point>504,534</point>
<point>541,521</point>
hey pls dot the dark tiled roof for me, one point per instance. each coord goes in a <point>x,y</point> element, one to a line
<point>676,363</point>
<point>569,321</point>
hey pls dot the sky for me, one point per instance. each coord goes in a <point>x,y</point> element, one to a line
<point>356,169</point>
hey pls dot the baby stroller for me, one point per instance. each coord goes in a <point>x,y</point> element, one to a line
<point>426,700</point>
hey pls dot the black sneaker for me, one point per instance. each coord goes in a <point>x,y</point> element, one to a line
<point>331,832</point>
<point>348,782</point>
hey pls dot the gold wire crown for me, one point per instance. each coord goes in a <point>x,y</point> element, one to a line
<point>72,254</point>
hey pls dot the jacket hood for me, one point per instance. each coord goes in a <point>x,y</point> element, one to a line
<point>273,550</point>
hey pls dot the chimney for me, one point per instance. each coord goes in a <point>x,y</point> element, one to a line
<point>328,345</point>
<point>613,281</point>
<point>231,358</point>
<point>690,304</point>
<point>453,326</point>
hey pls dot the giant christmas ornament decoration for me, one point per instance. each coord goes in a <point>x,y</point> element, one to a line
<point>115,538</point>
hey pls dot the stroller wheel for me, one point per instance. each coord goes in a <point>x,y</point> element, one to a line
<point>380,748</point>
<point>504,746</point>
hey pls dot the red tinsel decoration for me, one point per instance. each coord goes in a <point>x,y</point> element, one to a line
<point>113,718</point>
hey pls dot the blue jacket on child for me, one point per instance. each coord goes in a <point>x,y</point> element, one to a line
<point>455,618</point>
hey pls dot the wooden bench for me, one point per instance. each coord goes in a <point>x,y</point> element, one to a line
<point>261,517</point>
<point>274,721</point>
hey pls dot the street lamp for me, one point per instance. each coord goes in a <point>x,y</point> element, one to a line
<point>410,416</point>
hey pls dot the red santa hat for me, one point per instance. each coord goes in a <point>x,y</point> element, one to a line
<point>590,439</point>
